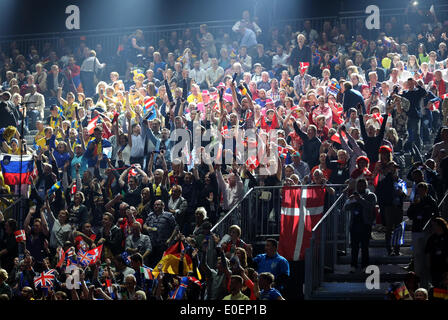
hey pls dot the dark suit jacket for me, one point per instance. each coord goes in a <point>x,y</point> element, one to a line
<point>62,81</point>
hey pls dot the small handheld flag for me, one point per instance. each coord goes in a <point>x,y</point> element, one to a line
<point>149,109</point>
<point>92,124</point>
<point>20,235</point>
<point>45,279</point>
<point>54,187</point>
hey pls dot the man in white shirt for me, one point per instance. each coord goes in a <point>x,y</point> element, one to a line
<point>35,104</point>
<point>214,74</point>
<point>198,75</point>
<point>280,60</point>
<point>393,80</point>
<point>88,69</point>
<point>244,59</point>
<point>403,75</point>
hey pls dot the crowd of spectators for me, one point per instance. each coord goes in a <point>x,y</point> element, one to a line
<point>346,109</point>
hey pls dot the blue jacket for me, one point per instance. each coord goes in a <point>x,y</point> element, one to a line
<point>351,99</point>
<point>92,157</point>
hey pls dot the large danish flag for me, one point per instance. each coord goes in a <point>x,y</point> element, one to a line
<point>302,208</point>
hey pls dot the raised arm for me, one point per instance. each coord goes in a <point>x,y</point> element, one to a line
<point>59,96</point>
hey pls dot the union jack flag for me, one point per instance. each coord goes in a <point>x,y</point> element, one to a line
<point>84,258</point>
<point>45,279</point>
<point>95,254</point>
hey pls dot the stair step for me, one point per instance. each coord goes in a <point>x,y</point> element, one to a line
<point>379,256</point>
<point>388,273</point>
<point>349,291</point>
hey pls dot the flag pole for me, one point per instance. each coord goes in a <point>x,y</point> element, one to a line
<point>20,210</point>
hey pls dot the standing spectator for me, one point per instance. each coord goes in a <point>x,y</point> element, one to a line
<point>214,74</point>
<point>198,75</point>
<point>8,243</point>
<point>421,210</point>
<point>311,144</point>
<point>437,249</point>
<point>7,113</point>
<point>137,242</point>
<point>248,39</point>
<point>352,99</point>
<point>206,41</point>
<point>361,205</point>
<point>279,61</point>
<point>248,23</point>
<point>110,236</point>
<point>300,53</point>
<point>55,79</point>
<point>89,68</point>
<point>272,262</point>
<point>301,83</point>
<point>381,74</point>
<point>35,104</point>
<point>245,59</point>
<point>415,95</point>
<point>159,225</point>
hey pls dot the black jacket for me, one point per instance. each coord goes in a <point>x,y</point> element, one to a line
<point>372,144</point>
<point>415,98</point>
<point>7,116</point>
<point>420,213</point>
<point>311,147</point>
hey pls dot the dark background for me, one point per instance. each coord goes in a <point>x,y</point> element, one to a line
<point>42,16</point>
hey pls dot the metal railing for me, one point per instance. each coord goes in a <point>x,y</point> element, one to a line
<point>330,235</point>
<point>443,209</point>
<point>111,38</point>
<point>258,213</point>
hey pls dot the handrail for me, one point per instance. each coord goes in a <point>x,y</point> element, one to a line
<point>124,29</point>
<point>439,207</point>
<point>231,210</point>
<point>267,187</point>
<point>299,186</point>
<point>328,212</point>
<point>12,204</point>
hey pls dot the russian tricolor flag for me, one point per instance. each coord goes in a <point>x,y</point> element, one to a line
<point>11,168</point>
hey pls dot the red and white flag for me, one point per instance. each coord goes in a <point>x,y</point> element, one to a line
<point>304,66</point>
<point>302,208</point>
<point>73,189</point>
<point>20,235</point>
<point>96,254</point>
<point>337,138</point>
<point>225,132</point>
<point>92,124</point>
<point>378,117</point>
<point>434,106</point>
<point>149,102</point>
<point>252,162</point>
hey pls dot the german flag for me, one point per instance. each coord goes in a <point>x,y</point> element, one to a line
<point>440,293</point>
<point>401,293</point>
<point>171,258</point>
